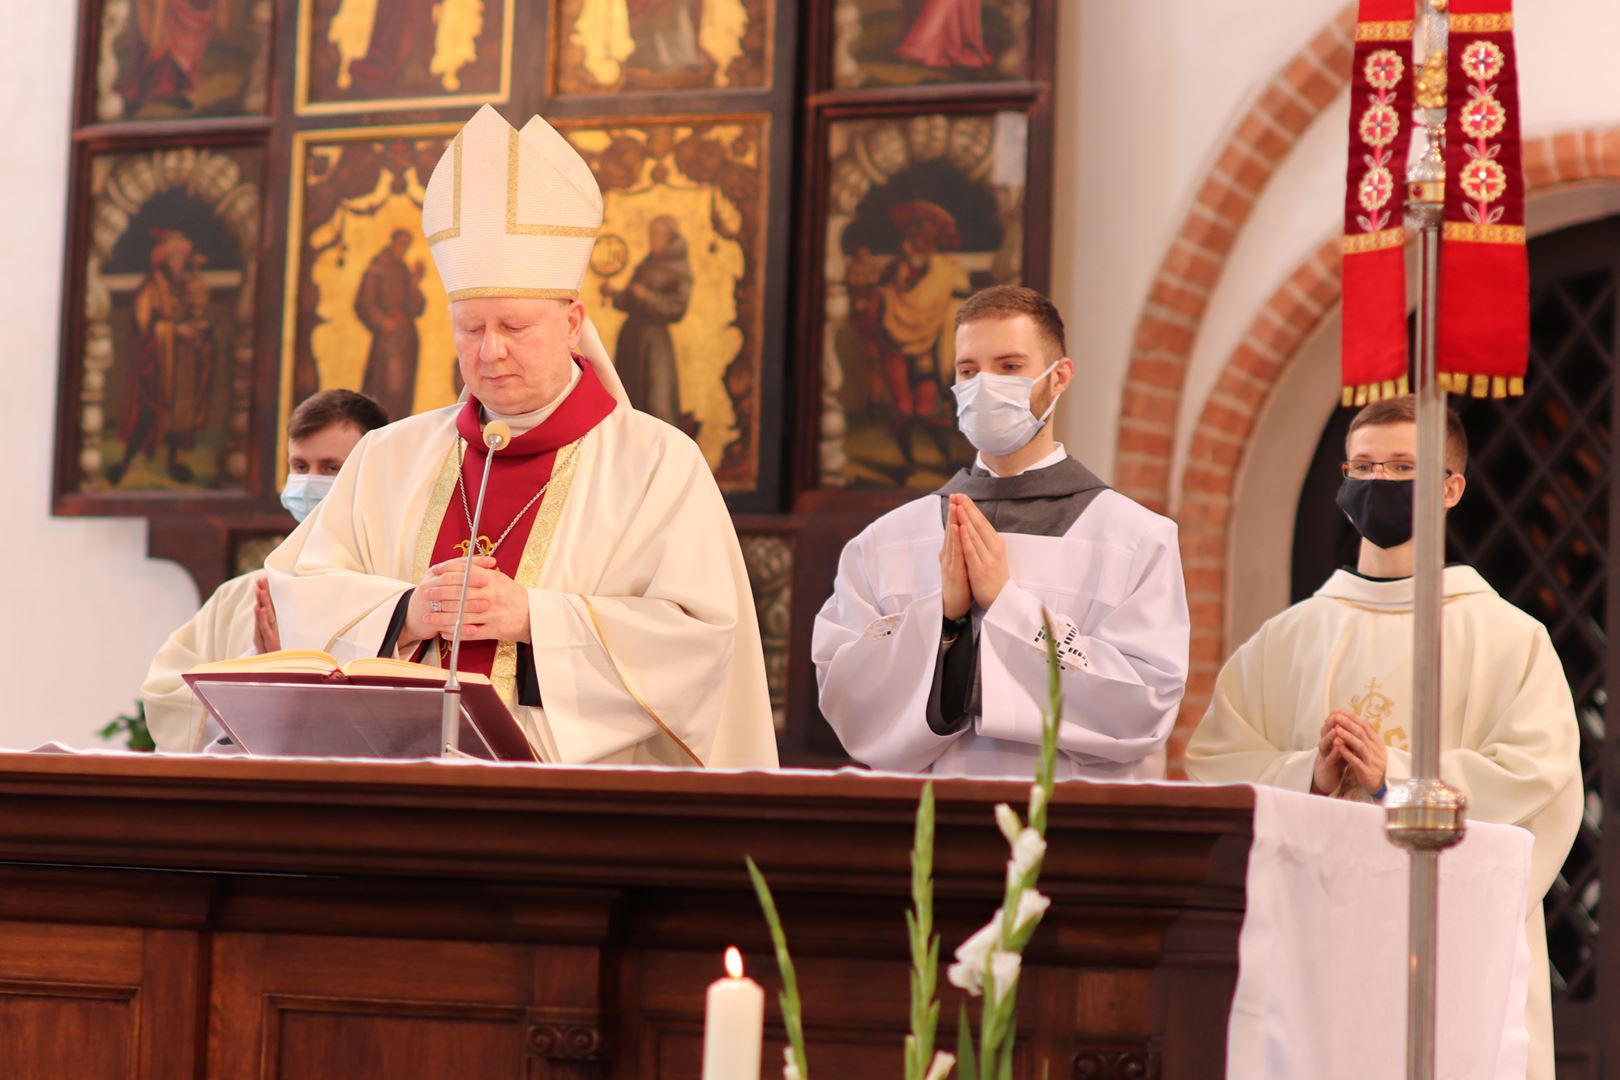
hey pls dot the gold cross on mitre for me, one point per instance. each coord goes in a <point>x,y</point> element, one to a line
<point>485,547</point>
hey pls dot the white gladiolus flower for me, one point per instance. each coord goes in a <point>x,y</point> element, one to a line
<point>1037,801</point>
<point>968,971</point>
<point>1004,972</point>
<point>1031,906</point>
<point>790,1068</point>
<point>1007,819</point>
<point>941,1068</point>
<point>1027,851</point>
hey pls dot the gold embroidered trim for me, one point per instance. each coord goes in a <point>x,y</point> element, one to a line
<point>1500,23</point>
<point>1470,233</point>
<point>1374,392</point>
<point>1362,243</point>
<point>514,146</point>
<point>1385,31</point>
<point>515,293</point>
<point>654,717</point>
<point>455,193</point>
<point>504,671</point>
<point>433,517</point>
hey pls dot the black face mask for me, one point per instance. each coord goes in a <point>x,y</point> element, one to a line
<point>1381,510</point>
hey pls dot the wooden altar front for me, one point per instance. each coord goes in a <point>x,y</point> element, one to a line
<point>229,918</point>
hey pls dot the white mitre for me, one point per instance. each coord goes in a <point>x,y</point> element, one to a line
<point>509,213</point>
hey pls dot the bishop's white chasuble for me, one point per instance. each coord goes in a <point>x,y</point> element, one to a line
<point>645,645</point>
<point>1508,734</point>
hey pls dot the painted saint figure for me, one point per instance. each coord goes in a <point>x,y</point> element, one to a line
<point>174,35</point>
<point>945,34</point>
<point>166,392</point>
<point>388,303</point>
<point>904,316</point>
<point>656,299</point>
<point>666,35</point>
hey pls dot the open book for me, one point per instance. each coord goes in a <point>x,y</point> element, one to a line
<point>303,703</point>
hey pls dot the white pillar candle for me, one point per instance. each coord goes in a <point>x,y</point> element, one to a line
<point>733,1024</point>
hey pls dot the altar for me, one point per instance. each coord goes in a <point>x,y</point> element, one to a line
<point>177,917</point>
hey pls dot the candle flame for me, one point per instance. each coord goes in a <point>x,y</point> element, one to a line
<point>734,966</point>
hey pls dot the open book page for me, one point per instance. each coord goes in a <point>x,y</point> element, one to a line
<point>314,662</point>
<point>383,666</point>
<point>290,661</point>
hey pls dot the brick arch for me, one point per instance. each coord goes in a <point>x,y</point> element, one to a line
<point>1226,424</point>
<point>1162,347</point>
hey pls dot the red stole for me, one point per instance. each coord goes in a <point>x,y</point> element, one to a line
<point>519,471</point>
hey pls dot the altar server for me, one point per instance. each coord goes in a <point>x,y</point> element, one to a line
<point>1319,698</point>
<point>239,619</point>
<point>930,654</point>
<point>609,603</point>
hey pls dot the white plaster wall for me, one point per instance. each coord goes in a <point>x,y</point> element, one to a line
<point>1146,94</point>
<point>82,610</point>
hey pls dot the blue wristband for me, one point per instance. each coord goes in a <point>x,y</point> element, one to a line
<point>1378,795</point>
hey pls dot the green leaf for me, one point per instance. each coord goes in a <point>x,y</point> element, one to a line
<point>1005,1071</point>
<point>967,1067</point>
<point>792,1017</point>
<point>924,943</point>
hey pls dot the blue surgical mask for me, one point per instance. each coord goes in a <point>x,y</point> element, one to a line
<point>303,492</point>
<point>994,414</point>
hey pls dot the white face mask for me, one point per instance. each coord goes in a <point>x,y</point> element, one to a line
<point>303,492</point>
<point>994,414</point>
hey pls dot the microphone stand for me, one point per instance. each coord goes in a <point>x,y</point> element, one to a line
<point>496,436</point>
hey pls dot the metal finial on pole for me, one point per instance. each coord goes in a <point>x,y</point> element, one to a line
<point>1423,814</point>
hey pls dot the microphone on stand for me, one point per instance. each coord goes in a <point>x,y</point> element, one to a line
<point>496,437</point>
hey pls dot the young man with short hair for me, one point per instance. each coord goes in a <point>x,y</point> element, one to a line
<point>239,620</point>
<point>931,654</point>
<point>1319,698</point>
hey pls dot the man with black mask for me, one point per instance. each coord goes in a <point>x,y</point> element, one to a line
<point>1319,699</point>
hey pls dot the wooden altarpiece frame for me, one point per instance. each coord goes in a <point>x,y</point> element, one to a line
<point>796,81</point>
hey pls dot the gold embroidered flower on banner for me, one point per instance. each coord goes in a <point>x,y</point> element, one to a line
<point>1379,125</point>
<point>1384,69</point>
<point>1376,189</point>
<point>1483,117</point>
<point>1483,180</point>
<point>1483,60</point>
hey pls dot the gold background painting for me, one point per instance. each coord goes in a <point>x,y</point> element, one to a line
<point>602,46</point>
<point>357,54</point>
<point>332,243</point>
<point>708,177</point>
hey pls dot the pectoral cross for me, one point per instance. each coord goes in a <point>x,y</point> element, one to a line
<point>485,547</point>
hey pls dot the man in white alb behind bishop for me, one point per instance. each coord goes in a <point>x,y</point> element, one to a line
<point>931,655</point>
<point>609,602</point>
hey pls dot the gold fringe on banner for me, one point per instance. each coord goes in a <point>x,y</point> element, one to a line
<point>1371,393</point>
<point>1498,387</point>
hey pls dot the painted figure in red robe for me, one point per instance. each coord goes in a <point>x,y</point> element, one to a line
<point>174,35</point>
<point>945,34</point>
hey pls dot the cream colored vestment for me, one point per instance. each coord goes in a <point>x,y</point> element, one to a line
<point>1508,733</point>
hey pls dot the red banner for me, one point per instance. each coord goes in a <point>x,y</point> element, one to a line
<point>1483,332</point>
<point>1374,352</point>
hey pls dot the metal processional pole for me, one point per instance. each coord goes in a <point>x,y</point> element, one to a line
<point>1423,814</point>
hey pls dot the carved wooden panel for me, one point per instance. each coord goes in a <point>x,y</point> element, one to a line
<point>332,1007</point>
<point>96,1002</point>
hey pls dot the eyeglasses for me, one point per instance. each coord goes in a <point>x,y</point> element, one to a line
<point>1393,470</point>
